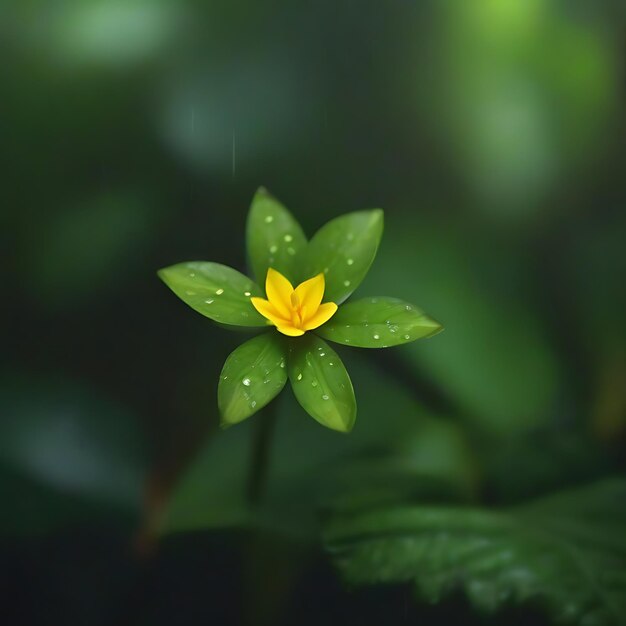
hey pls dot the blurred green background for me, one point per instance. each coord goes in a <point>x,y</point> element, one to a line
<point>134,134</point>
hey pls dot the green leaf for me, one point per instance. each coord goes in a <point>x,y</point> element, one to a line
<point>378,323</point>
<point>274,238</point>
<point>567,552</point>
<point>253,375</point>
<point>321,383</point>
<point>344,249</point>
<point>216,291</point>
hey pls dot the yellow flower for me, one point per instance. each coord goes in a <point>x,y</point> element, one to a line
<point>294,311</point>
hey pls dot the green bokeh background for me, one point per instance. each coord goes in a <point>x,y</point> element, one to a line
<point>134,135</point>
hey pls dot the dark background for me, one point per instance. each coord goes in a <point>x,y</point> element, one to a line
<point>134,135</point>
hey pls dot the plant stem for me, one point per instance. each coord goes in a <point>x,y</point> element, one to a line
<point>260,453</point>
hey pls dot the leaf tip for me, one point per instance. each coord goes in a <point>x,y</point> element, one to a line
<point>163,274</point>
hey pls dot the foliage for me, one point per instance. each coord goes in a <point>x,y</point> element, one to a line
<point>566,552</point>
<point>336,260</point>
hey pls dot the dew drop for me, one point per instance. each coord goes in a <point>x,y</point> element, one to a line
<point>247,294</point>
<point>322,353</point>
<point>273,249</point>
<point>291,251</point>
<point>246,382</point>
<point>350,261</point>
<point>253,403</point>
<point>192,274</point>
<point>210,301</point>
<point>288,238</point>
<point>269,219</point>
<point>407,336</point>
<point>299,377</point>
<point>326,270</point>
<point>282,364</point>
<point>346,283</point>
<point>324,397</point>
<point>408,307</point>
<point>331,363</point>
<point>314,383</point>
<point>219,292</point>
<point>376,336</point>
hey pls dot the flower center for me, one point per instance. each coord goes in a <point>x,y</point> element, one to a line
<point>294,311</point>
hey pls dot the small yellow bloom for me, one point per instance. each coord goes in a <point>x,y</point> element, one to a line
<point>294,311</point>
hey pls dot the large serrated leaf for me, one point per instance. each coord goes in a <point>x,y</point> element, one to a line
<point>344,249</point>
<point>252,376</point>
<point>216,291</point>
<point>274,238</point>
<point>378,323</point>
<point>321,383</point>
<point>567,552</point>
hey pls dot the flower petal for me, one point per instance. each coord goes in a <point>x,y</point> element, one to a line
<point>278,290</point>
<point>268,310</point>
<point>323,314</point>
<point>289,330</point>
<point>311,292</point>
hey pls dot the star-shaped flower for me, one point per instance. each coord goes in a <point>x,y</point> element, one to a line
<point>294,311</point>
<point>327,269</point>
